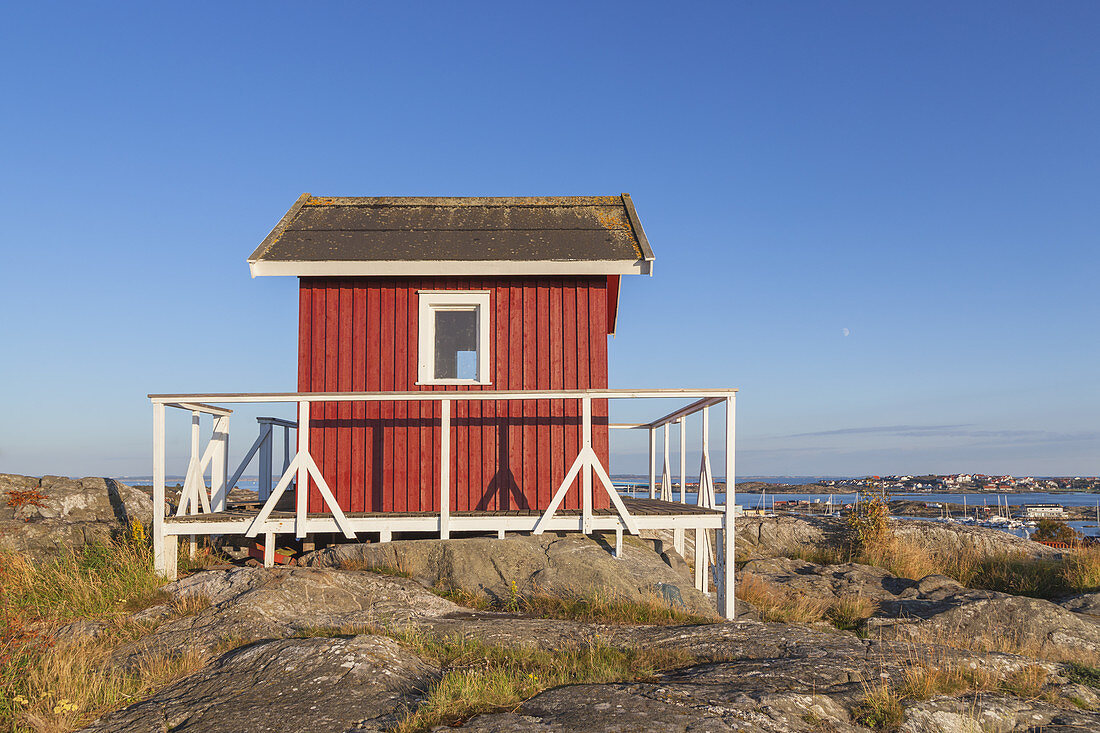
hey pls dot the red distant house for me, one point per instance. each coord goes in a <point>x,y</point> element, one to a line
<point>411,294</point>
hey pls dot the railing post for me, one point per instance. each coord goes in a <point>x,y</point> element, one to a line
<point>586,470</point>
<point>301,492</point>
<point>683,460</point>
<point>729,530</point>
<point>164,547</point>
<point>679,543</point>
<point>702,541</point>
<point>219,470</point>
<point>444,469</point>
<point>652,462</point>
<point>666,468</point>
<point>264,482</point>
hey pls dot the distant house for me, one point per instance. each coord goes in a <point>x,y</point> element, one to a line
<point>1041,511</point>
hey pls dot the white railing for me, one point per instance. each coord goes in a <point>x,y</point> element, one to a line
<point>705,495</point>
<point>301,466</point>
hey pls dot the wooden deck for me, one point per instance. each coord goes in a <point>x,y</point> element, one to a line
<point>246,510</point>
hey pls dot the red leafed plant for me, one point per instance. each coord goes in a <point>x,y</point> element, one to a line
<point>29,497</point>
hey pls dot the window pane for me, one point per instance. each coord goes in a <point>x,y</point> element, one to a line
<point>456,344</point>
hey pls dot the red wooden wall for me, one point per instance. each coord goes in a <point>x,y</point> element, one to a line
<point>360,334</point>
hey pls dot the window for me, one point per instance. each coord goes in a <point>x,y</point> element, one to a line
<point>454,337</point>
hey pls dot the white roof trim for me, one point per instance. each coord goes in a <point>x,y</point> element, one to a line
<point>353,268</point>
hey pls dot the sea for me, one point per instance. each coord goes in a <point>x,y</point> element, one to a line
<point>639,489</point>
<point>1089,528</point>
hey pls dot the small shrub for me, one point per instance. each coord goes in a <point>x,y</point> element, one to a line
<point>869,523</point>
<point>28,497</point>
<point>1053,530</point>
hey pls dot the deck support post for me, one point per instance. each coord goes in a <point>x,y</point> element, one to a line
<point>727,601</point>
<point>683,464</point>
<point>619,541</point>
<point>702,560</point>
<point>385,535</point>
<point>164,555</point>
<point>678,541</point>
<point>445,469</point>
<point>652,463</point>
<point>586,471</point>
<point>269,549</point>
<point>500,534</point>
<point>301,490</point>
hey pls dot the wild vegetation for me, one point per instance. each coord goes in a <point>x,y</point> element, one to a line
<point>481,678</point>
<point>788,606</point>
<point>47,685</point>
<point>883,704</point>
<point>871,542</point>
<point>604,609</point>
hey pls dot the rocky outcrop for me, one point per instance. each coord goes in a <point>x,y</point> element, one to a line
<point>257,603</point>
<point>953,539</point>
<point>938,606</point>
<point>362,683</point>
<point>773,536</point>
<point>784,535</point>
<point>743,676</point>
<point>1086,603</point>
<point>58,513</point>
<point>560,564</point>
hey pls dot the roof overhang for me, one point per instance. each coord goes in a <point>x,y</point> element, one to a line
<point>262,262</point>
<point>358,268</point>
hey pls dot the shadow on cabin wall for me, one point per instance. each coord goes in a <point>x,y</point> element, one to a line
<point>493,460</point>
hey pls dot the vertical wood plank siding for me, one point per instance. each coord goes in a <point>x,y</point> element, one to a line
<point>362,334</point>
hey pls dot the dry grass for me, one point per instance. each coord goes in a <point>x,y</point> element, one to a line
<point>780,604</point>
<point>995,638</point>
<point>381,569</point>
<point>923,682</point>
<point>1015,573</point>
<point>880,708</point>
<point>47,686</point>
<point>189,605</point>
<point>1030,683</point>
<point>480,678</point>
<point>652,610</point>
<point>883,703</point>
<point>849,611</point>
<point>1081,570</point>
<point>72,684</point>
<point>776,603</point>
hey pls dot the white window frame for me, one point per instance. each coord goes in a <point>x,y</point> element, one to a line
<point>437,300</point>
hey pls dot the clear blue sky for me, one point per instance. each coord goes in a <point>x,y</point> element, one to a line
<point>922,177</point>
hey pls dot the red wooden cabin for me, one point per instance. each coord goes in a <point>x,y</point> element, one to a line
<point>416,294</point>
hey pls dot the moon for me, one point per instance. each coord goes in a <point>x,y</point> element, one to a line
<point>844,332</point>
